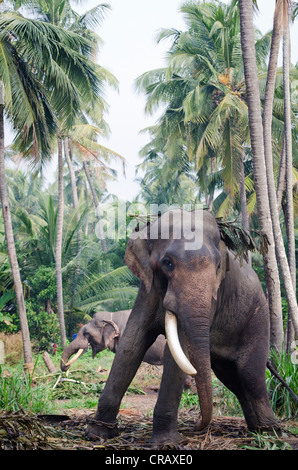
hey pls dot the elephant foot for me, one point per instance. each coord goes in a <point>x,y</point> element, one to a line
<point>164,439</point>
<point>99,430</point>
<point>274,430</point>
<point>201,425</point>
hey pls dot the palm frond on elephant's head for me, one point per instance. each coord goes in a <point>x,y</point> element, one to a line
<point>240,241</point>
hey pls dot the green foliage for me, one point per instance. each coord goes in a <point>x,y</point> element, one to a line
<point>267,442</point>
<point>5,318</point>
<point>281,401</point>
<point>17,392</point>
<point>189,399</point>
<point>44,328</point>
<point>43,285</point>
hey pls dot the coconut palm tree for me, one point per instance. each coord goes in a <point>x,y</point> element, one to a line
<point>27,71</point>
<point>280,27</point>
<point>66,76</point>
<point>65,16</point>
<point>86,81</point>
<point>205,91</point>
<point>23,100</point>
<point>257,143</point>
<point>288,148</point>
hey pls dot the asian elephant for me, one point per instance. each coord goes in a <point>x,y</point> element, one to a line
<point>214,313</point>
<point>104,331</point>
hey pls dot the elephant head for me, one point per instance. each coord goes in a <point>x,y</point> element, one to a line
<point>182,258</point>
<point>99,333</point>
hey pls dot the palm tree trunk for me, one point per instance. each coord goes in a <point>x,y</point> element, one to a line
<point>211,195</point>
<point>289,157</point>
<point>281,175</point>
<point>243,202</point>
<point>71,173</point>
<point>289,207</point>
<point>75,199</point>
<point>97,208</point>
<point>11,248</point>
<point>257,144</point>
<point>278,26</point>
<point>59,246</point>
<point>67,153</point>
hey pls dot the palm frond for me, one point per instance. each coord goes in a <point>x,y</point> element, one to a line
<point>239,240</point>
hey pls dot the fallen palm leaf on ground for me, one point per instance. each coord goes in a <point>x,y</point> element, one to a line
<point>19,431</point>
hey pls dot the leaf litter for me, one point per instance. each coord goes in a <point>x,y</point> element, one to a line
<point>21,431</point>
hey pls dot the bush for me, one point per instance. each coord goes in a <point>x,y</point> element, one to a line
<point>44,329</point>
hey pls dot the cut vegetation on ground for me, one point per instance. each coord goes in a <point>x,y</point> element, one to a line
<point>44,413</point>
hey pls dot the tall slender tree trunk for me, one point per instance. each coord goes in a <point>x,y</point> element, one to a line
<point>281,175</point>
<point>97,208</point>
<point>11,247</point>
<point>281,18</point>
<point>75,199</point>
<point>71,173</point>
<point>257,144</point>
<point>289,156</point>
<point>59,245</point>
<point>243,202</point>
<point>211,195</point>
<point>289,212</point>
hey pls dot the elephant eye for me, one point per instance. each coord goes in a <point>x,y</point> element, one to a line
<point>218,268</point>
<point>167,264</point>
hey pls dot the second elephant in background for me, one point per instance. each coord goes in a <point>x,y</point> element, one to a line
<point>104,331</point>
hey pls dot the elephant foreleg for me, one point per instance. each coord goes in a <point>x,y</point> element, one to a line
<point>166,408</point>
<point>137,338</point>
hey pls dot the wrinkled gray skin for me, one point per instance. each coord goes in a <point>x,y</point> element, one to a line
<point>101,334</point>
<point>223,323</point>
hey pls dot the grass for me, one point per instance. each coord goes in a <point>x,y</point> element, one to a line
<point>266,442</point>
<point>19,391</point>
<point>282,404</point>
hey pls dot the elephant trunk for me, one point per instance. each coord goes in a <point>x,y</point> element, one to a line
<point>197,334</point>
<point>75,347</point>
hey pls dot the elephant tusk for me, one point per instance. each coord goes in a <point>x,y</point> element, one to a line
<point>75,357</point>
<point>174,344</point>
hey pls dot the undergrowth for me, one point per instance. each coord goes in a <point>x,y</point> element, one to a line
<point>82,386</point>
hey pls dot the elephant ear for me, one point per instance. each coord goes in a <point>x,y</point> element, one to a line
<point>110,334</point>
<point>223,267</point>
<point>137,258</point>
